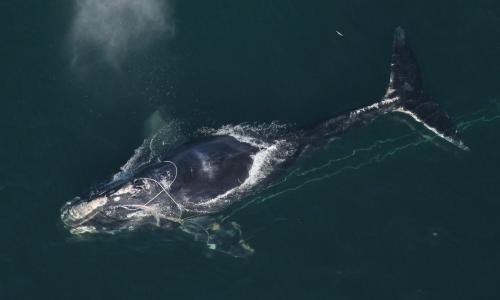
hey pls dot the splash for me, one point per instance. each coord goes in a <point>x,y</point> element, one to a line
<point>110,30</point>
<point>152,149</point>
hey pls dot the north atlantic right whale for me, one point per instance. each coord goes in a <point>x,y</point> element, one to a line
<point>188,187</point>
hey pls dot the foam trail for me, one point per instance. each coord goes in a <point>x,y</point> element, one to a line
<point>376,158</point>
<point>296,173</point>
<point>468,124</point>
<point>110,29</point>
<point>354,153</point>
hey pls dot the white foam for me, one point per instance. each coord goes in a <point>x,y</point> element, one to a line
<point>257,135</point>
<point>82,230</point>
<point>240,133</point>
<point>449,139</point>
<point>375,106</point>
<point>136,161</point>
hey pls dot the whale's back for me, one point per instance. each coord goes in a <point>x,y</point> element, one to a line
<point>209,169</point>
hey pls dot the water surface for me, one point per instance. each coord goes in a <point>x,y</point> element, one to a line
<point>384,213</point>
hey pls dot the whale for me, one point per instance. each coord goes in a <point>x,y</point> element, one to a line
<point>188,187</point>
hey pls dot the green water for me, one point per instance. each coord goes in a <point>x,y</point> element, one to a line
<point>401,217</point>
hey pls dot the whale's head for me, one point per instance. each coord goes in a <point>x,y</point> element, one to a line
<point>138,203</point>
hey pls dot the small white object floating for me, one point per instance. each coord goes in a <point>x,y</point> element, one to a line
<point>339,33</point>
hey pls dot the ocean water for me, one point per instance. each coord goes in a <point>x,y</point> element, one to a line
<point>386,212</point>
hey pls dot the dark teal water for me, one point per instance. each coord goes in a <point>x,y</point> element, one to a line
<point>401,217</point>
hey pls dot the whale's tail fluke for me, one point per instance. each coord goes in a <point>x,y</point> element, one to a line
<point>404,94</point>
<point>405,91</point>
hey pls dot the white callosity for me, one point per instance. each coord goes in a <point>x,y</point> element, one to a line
<point>83,211</point>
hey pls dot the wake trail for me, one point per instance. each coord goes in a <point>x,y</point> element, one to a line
<point>373,159</point>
